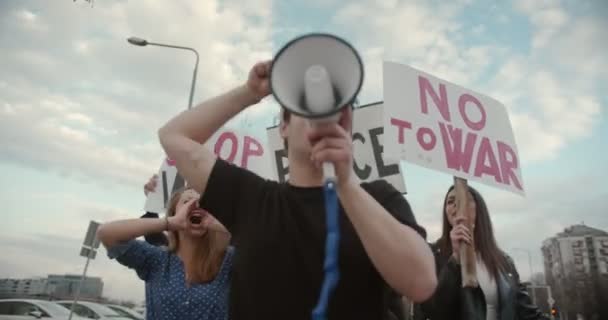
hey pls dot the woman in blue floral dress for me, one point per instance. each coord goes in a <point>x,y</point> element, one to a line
<point>189,279</point>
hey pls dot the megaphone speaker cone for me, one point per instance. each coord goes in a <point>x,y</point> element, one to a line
<point>316,75</point>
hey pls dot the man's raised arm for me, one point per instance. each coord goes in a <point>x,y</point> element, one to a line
<point>182,137</point>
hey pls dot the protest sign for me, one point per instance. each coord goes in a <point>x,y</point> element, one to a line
<point>243,150</point>
<point>370,161</point>
<point>442,126</point>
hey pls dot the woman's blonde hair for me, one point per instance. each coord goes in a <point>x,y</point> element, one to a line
<point>209,254</point>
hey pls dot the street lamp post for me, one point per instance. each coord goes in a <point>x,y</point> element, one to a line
<point>529,260</point>
<point>142,43</point>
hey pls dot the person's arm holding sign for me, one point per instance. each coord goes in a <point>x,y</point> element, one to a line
<point>183,135</point>
<point>183,138</point>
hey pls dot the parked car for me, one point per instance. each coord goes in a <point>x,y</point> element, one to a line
<point>141,310</point>
<point>20,309</point>
<point>126,312</point>
<point>92,310</point>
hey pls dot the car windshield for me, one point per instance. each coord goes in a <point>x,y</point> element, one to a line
<point>120,311</point>
<point>53,308</point>
<point>106,312</point>
<point>95,308</point>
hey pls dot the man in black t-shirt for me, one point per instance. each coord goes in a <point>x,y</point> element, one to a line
<point>279,228</point>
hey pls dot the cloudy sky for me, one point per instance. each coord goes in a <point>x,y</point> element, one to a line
<point>79,107</point>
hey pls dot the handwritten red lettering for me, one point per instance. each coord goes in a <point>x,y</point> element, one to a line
<point>455,156</point>
<point>249,151</point>
<point>220,144</point>
<point>484,153</point>
<point>426,145</point>
<point>462,101</point>
<point>441,102</point>
<point>507,165</point>
<point>402,125</point>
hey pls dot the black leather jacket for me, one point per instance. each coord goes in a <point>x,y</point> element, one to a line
<point>451,301</point>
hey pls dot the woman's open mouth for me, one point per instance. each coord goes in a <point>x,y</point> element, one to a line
<point>196,216</point>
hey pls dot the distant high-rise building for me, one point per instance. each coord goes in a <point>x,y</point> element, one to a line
<point>576,268</point>
<point>22,287</point>
<point>54,286</point>
<point>65,286</point>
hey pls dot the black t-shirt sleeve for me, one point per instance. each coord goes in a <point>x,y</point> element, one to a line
<point>231,193</point>
<point>395,203</point>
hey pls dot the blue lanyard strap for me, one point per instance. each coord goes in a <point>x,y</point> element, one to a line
<point>332,273</point>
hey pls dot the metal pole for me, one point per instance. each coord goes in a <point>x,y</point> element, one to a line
<point>193,80</point>
<point>530,264</point>
<point>195,66</point>
<point>77,295</point>
<point>529,261</point>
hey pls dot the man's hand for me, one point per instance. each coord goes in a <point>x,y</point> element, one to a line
<point>333,143</point>
<point>258,82</point>
<point>150,186</point>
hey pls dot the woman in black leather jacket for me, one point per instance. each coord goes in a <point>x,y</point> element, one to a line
<point>499,296</point>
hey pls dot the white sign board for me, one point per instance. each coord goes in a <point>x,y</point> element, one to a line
<point>443,126</point>
<point>91,242</point>
<point>241,149</point>
<point>370,161</point>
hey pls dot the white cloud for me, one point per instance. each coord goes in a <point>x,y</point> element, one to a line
<point>30,21</point>
<point>546,112</point>
<point>79,118</point>
<point>81,47</point>
<point>557,105</point>
<point>548,23</point>
<point>479,29</point>
<point>26,15</point>
<point>534,142</point>
<point>550,92</point>
<point>413,33</point>
<point>503,18</point>
<point>581,48</point>
<point>64,95</point>
<point>41,140</point>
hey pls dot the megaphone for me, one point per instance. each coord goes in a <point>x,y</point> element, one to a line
<point>315,76</point>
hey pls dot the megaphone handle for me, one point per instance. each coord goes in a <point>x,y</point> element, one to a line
<point>329,172</point>
<point>332,248</point>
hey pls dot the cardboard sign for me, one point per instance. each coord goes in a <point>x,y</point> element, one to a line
<point>370,161</point>
<point>241,149</point>
<point>445,127</point>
